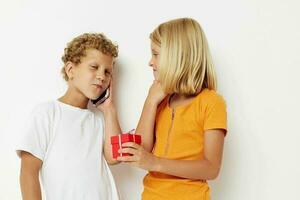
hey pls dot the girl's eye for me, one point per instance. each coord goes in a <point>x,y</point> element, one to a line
<point>94,67</point>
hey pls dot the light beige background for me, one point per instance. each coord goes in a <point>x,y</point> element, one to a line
<point>255,45</point>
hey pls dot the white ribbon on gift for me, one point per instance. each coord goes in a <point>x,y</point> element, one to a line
<point>120,144</point>
<point>132,131</point>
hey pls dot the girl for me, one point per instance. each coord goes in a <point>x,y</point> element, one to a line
<point>183,122</point>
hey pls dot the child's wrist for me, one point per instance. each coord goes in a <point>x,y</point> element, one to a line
<point>109,110</point>
<point>155,164</point>
<point>151,102</point>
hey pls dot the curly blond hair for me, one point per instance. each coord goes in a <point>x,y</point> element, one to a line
<point>76,49</point>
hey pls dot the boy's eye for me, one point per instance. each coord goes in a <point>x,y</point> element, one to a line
<point>94,67</point>
<point>107,72</point>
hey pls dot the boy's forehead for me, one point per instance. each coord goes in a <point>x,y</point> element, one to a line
<point>97,55</point>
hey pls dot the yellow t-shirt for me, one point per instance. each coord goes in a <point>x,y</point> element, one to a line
<point>180,136</point>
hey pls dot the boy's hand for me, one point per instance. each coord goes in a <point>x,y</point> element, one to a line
<point>108,103</point>
<point>140,157</point>
<point>156,93</point>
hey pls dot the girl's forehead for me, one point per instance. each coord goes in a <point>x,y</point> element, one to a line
<point>155,47</point>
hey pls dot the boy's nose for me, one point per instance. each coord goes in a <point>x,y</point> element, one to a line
<point>100,76</point>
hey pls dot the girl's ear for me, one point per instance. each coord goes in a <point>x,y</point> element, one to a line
<point>69,69</point>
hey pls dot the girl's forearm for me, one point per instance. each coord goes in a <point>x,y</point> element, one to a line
<point>191,169</point>
<point>146,124</point>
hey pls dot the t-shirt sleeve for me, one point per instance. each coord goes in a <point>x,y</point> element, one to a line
<point>215,113</point>
<point>100,118</point>
<point>102,128</point>
<point>34,137</point>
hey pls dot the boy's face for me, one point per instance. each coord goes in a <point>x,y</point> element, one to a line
<point>93,74</point>
<point>155,55</point>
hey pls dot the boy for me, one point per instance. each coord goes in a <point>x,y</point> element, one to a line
<point>64,142</point>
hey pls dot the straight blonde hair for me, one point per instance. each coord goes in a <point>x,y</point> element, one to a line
<point>185,65</point>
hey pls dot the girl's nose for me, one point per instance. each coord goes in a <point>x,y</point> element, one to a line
<point>150,63</point>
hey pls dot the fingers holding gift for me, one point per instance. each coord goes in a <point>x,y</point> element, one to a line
<point>133,155</point>
<point>127,159</point>
<point>131,151</point>
<point>131,145</point>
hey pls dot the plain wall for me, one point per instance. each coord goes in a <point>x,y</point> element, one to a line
<point>255,47</point>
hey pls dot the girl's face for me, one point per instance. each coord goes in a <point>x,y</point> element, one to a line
<point>155,55</point>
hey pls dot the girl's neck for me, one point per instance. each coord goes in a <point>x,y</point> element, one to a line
<point>74,98</point>
<point>176,100</point>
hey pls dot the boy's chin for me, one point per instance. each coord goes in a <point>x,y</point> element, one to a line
<point>93,97</point>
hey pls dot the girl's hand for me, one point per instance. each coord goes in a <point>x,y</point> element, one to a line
<point>140,157</point>
<point>156,93</point>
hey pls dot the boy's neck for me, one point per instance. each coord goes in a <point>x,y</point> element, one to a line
<point>74,99</point>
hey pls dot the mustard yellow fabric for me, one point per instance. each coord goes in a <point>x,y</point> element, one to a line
<point>180,136</point>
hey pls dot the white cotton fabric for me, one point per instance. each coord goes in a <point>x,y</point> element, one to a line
<point>69,141</point>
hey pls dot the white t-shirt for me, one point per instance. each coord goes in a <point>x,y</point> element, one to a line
<point>69,141</point>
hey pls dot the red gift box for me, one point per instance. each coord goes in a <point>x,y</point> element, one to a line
<point>118,140</point>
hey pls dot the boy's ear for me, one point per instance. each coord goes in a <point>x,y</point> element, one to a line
<point>69,69</point>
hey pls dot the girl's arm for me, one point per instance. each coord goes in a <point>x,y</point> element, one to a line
<point>29,177</point>
<point>206,169</point>
<point>146,123</point>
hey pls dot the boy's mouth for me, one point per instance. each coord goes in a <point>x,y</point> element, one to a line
<point>97,86</point>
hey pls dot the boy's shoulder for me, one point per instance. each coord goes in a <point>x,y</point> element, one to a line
<point>44,108</point>
<point>51,108</point>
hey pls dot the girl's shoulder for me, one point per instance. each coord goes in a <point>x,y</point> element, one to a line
<point>164,102</point>
<point>210,97</point>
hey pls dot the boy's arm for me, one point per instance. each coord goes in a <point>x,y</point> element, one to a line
<point>112,128</point>
<point>29,177</point>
